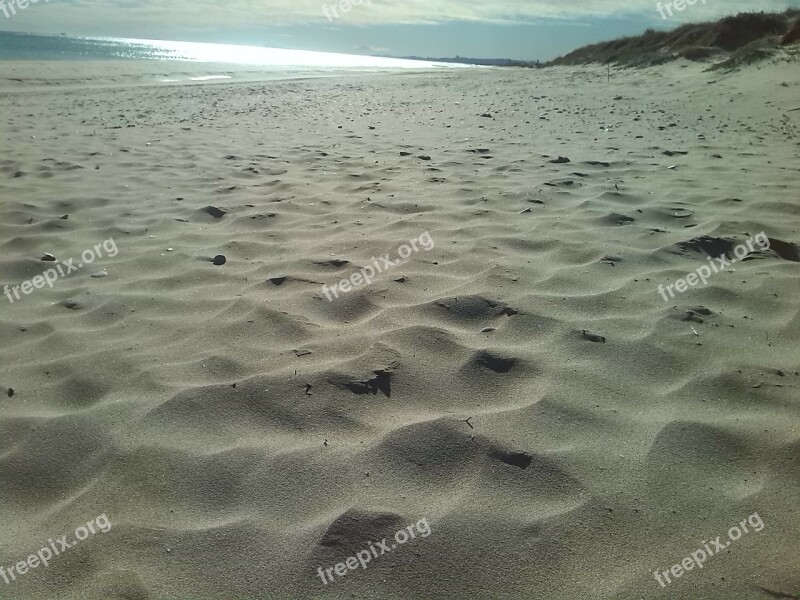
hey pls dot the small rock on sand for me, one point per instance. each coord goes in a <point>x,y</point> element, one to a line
<point>215,212</point>
<point>71,303</point>
<point>593,337</point>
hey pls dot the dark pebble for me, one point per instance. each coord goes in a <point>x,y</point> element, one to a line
<point>593,337</point>
<point>215,212</point>
<point>71,304</point>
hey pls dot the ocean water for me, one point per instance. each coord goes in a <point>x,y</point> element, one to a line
<point>25,46</point>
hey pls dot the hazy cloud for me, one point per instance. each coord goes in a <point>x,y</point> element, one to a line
<point>216,15</point>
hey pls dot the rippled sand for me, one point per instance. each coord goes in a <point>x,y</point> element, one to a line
<point>522,384</point>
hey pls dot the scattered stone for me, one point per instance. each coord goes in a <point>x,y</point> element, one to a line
<point>48,257</point>
<point>487,115</point>
<point>516,459</point>
<point>693,317</point>
<point>562,181</point>
<point>620,219</point>
<point>560,160</point>
<point>219,260</point>
<point>99,274</point>
<point>71,304</point>
<point>593,337</point>
<point>10,392</point>
<point>215,212</point>
<point>64,218</point>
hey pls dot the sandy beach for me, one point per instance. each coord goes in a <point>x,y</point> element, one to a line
<point>503,372</point>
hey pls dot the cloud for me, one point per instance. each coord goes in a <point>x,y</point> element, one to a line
<point>232,14</point>
<point>516,11</point>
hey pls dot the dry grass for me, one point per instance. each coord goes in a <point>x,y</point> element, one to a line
<point>752,33</point>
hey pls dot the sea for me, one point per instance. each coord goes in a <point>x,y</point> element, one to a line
<point>27,46</point>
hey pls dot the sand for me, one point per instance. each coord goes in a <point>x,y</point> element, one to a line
<point>521,386</point>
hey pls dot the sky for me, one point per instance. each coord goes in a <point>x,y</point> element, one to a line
<point>520,29</point>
